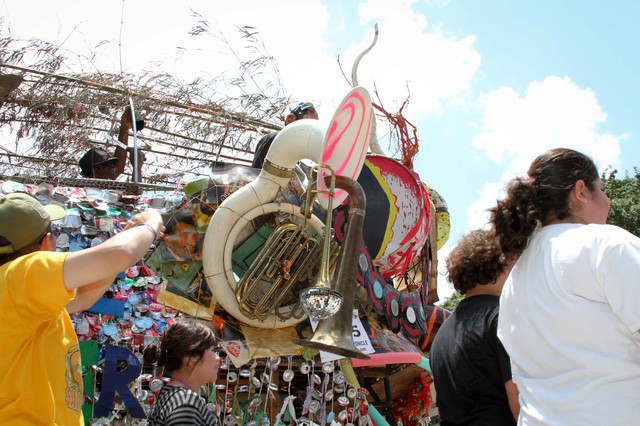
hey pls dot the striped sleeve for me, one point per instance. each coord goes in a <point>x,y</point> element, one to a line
<point>181,406</point>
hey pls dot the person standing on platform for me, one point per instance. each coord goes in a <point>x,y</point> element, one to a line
<point>97,163</point>
<point>303,111</point>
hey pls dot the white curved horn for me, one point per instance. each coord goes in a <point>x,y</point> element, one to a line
<point>299,140</point>
<point>342,144</point>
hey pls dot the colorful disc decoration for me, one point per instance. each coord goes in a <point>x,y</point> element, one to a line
<point>397,217</point>
<point>442,216</point>
<point>347,140</point>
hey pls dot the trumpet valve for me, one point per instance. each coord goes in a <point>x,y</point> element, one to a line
<point>286,269</point>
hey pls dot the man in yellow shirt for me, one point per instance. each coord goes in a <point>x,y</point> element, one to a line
<point>40,378</point>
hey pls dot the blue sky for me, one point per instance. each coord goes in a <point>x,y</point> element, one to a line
<point>492,83</point>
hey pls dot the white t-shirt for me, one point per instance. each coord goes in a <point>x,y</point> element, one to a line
<point>569,319</point>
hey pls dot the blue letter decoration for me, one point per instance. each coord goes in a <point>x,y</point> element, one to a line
<point>114,380</point>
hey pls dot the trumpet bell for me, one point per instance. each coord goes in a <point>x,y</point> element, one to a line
<point>335,334</point>
<point>334,340</point>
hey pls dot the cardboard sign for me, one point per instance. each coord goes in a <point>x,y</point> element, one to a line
<point>360,338</point>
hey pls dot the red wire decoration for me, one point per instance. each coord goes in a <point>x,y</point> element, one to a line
<point>406,133</point>
<point>409,411</point>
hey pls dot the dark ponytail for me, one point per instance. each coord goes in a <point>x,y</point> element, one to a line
<point>185,338</point>
<point>516,217</point>
<point>540,197</point>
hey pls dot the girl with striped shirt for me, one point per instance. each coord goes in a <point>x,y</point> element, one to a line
<point>188,357</point>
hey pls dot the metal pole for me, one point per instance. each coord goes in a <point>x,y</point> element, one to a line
<point>136,177</point>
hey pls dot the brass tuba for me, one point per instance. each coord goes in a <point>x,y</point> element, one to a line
<point>235,216</point>
<point>335,334</point>
<point>266,297</point>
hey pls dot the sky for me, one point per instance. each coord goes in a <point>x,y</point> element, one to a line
<point>491,84</point>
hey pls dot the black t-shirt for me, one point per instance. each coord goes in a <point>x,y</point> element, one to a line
<point>262,148</point>
<point>470,366</point>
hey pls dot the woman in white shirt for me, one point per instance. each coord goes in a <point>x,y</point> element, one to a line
<point>570,309</point>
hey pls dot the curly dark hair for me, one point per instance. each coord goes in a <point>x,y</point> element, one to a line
<point>543,195</point>
<point>181,340</point>
<point>476,260</point>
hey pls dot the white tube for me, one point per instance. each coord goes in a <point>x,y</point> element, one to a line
<point>297,141</point>
<point>300,140</point>
<point>348,136</point>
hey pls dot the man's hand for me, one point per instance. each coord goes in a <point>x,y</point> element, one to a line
<point>125,120</point>
<point>141,156</point>
<point>151,217</point>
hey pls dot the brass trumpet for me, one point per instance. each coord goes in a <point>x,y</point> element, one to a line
<point>288,257</point>
<point>320,301</point>
<point>335,334</point>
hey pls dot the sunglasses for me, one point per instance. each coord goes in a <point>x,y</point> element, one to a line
<point>47,233</point>
<point>106,165</point>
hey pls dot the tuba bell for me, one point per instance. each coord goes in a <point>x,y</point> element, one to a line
<point>335,334</point>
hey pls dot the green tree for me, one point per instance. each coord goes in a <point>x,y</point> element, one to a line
<point>452,302</point>
<point>625,199</point>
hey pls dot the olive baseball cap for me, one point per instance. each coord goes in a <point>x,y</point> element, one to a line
<point>23,219</point>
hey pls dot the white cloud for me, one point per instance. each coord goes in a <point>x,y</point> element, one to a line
<point>477,215</point>
<point>413,57</point>
<point>515,129</point>
<point>410,57</point>
<point>440,4</point>
<point>552,113</point>
<point>445,288</point>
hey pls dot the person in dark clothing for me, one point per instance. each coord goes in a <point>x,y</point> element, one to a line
<point>304,110</point>
<point>471,369</point>
<point>98,164</point>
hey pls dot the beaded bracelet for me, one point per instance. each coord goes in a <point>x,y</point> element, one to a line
<point>155,234</point>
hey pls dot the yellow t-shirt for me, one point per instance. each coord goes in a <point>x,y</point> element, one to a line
<point>40,375</point>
